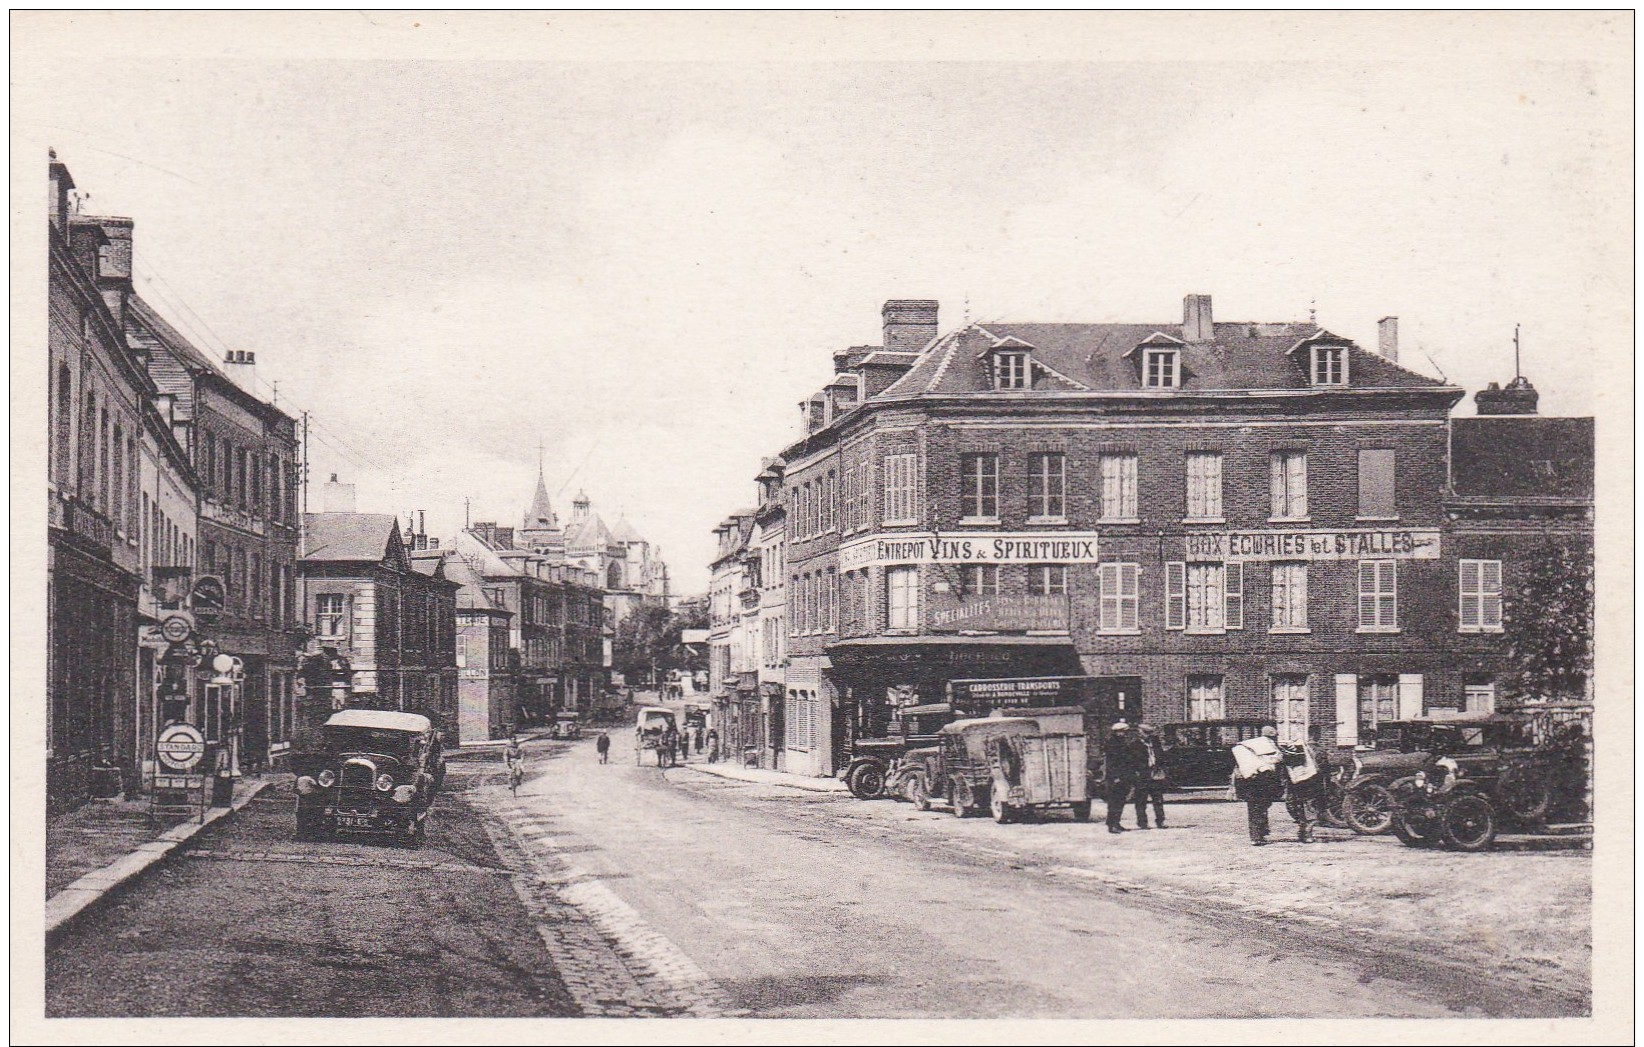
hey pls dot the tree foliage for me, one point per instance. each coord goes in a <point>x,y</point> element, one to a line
<point>1548,623</point>
<point>650,637</point>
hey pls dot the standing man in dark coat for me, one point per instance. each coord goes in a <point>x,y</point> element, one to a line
<point>1119,772</point>
<point>1150,776</point>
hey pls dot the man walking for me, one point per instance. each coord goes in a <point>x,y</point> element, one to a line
<point>1256,780</point>
<point>603,744</point>
<point>1150,776</point>
<point>1119,772</point>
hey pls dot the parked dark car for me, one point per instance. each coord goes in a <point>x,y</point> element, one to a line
<point>376,773</point>
<point>1199,753</point>
<point>872,760</point>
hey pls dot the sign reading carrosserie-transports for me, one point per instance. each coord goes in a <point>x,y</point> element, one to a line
<point>970,547</point>
<point>1365,544</point>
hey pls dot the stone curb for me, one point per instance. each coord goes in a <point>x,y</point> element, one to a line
<point>814,785</point>
<point>89,890</point>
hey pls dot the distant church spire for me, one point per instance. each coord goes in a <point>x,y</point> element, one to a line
<point>540,517</point>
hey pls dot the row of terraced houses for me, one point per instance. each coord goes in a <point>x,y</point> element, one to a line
<point>186,583</point>
<point>1213,519</point>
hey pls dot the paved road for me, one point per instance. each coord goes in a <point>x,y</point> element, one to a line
<point>250,922</point>
<point>775,908</point>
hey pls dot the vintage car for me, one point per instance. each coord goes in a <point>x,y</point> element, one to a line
<point>873,760</point>
<point>375,774</point>
<point>651,724</point>
<point>567,725</point>
<point>1011,766</point>
<point>1499,752</point>
<point>1199,753</point>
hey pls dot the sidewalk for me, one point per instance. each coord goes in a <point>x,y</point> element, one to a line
<point>764,777</point>
<point>107,843</point>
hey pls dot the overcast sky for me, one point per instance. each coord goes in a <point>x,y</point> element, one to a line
<point>648,264</point>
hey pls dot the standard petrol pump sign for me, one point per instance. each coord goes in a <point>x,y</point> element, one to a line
<point>180,747</point>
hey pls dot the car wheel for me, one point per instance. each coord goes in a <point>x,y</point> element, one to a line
<point>1524,792</point>
<point>1334,813</point>
<point>1469,824</point>
<point>918,792</point>
<point>1081,811</point>
<point>1415,832</point>
<point>1368,809</point>
<point>867,782</point>
<point>964,801</point>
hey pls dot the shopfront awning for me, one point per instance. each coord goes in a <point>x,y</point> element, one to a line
<point>929,662</point>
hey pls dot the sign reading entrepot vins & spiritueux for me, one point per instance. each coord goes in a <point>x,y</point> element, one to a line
<point>1366,544</point>
<point>971,547</point>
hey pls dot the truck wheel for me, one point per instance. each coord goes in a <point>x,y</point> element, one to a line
<point>964,801</point>
<point>1081,811</point>
<point>867,782</point>
<point>1469,824</point>
<point>1003,813</point>
<point>1369,809</point>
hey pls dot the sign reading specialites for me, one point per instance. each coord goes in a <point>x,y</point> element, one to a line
<point>996,547</point>
<point>1361,544</point>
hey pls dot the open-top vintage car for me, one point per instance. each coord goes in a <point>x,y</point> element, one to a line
<point>1500,753</point>
<point>375,773</point>
<point>874,761</point>
<point>1439,804</point>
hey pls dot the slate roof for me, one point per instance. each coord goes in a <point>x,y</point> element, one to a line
<point>348,536</point>
<point>1522,456</point>
<point>1100,358</point>
<point>624,532</point>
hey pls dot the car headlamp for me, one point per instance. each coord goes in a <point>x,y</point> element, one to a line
<point>327,778</point>
<point>385,782</point>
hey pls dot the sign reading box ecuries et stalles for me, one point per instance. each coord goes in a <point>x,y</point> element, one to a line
<point>1364,544</point>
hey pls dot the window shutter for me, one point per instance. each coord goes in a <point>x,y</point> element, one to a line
<point>1296,484</point>
<point>1367,594</point>
<point>1347,709</point>
<point>1176,595</point>
<point>1127,595</point>
<point>1388,617</point>
<point>1234,595</point>
<point>1469,588</point>
<point>1409,696</point>
<point>1109,581</point>
<point>1490,594</point>
<point>1277,484</point>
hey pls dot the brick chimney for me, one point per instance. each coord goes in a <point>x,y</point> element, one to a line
<point>241,365</point>
<point>1197,325</point>
<point>1520,397</point>
<point>61,183</point>
<point>1387,338</point>
<point>910,323</point>
<point>338,497</point>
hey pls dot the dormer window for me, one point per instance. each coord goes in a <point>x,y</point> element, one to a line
<point>1160,369</point>
<point>1010,371</point>
<point>1329,365</point>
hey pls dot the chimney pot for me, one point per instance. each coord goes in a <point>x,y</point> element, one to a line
<point>1387,338</point>
<point>1197,322</point>
<point>909,323</point>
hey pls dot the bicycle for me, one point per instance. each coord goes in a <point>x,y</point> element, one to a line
<point>516,776</point>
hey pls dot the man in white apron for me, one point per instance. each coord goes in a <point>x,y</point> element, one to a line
<point>1256,780</point>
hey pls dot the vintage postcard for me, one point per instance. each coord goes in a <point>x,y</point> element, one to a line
<point>715,527</point>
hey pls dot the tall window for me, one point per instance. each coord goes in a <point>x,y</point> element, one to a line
<point>1376,485</point>
<point>1378,596</point>
<point>1204,485</point>
<point>1048,579</point>
<point>1290,708</point>
<point>1205,699</point>
<point>979,486</point>
<point>1480,596</point>
<point>1118,486</point>
<point>1205,610</point>
<point>979,579</point>
<point>256,586</point>
<point>1289,597</point>
<point>901,490</point>
<point>1047,485</point>
<point>1119,597</point>
<point>1204,597</point>
<point>102,460</point>
<point>1160,370</point>
<point>1010,371</point>
<point>1289,484</point>
<point>328,614</point>
<point>62,425</point>
<point>1378,701</point>
<point>117,487</point>
<point>1329,365</point>
<point>902,596</point>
